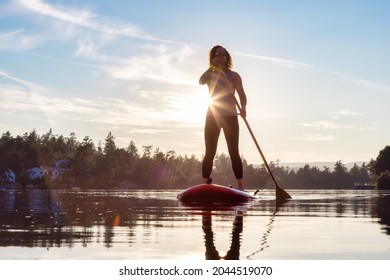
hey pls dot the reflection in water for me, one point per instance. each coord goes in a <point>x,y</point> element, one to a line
<point>33,218</point>
<point>52,218</point>
<point>142,224</point>
<point>269,226</point>
<point>237,228</point>
<point>381,208</point>
<point>211,251</point>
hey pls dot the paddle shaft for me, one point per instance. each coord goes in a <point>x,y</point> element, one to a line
<point>279,190</point>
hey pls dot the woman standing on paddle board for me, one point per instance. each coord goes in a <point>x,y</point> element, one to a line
<point>222,112</point>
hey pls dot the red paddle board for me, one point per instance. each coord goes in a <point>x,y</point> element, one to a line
<point>212,193</point>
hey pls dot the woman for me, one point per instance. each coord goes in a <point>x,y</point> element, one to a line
<point>222,113</point>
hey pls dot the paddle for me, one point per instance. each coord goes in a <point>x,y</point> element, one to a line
<point>269,227</point>
<point>281,194</point>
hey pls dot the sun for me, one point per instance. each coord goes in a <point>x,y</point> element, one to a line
<point>193,109</point>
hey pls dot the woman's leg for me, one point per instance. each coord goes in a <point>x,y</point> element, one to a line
<point>231,130</point>
<point>211,135</point>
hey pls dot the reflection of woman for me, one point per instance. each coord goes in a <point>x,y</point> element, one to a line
<point>234,251</point>
<point>222,113</point>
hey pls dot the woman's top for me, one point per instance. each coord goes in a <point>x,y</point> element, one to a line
<point>221,88</point>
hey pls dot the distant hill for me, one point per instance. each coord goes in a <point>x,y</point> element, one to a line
<point>319,164</point>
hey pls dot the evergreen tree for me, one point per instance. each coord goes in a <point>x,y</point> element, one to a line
<point>381,169</point>
<point>340,175</point>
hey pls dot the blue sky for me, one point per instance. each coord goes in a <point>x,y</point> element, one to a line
<point>316,73</point>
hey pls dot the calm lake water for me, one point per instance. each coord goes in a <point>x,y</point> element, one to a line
<point>151,224</point>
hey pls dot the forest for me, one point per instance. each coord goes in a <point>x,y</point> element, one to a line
<point>108,166</point>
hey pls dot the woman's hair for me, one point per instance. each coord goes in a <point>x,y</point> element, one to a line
<point>229,62</point>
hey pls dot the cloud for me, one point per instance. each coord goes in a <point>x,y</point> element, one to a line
<point>74,16</point>
<point>23,96</point>
<point>28,86</point>
<point>17,40</point>
<point>160,64</point>
<point>105,42</point>
<point>344,77</point>
<point>18,95</point>
<point>359,82</point>
<point>321,124</point>
<point>88,20</point>
<point>280,61</point>
<point>326,125</point>
<point>345,113</point>
<point>318,138</point>
<point>156,62</point>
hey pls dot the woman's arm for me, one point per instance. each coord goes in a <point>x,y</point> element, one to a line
<point>205,76</point>
<point>241,93</point>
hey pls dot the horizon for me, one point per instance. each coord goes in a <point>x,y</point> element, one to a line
<point>316,74</point>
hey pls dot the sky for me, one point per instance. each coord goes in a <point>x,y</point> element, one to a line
<point>316,73</point>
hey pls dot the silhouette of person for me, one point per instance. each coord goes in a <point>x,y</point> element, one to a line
<point>211,251</point>
<point>222,113</point>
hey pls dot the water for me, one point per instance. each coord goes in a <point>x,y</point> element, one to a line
<point>151,224</point>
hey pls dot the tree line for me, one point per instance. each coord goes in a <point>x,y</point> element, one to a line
<point>109,166</point>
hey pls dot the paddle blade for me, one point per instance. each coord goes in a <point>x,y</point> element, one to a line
<point>281,194</point>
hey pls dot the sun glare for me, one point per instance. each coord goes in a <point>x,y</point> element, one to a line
<point>194,108</point>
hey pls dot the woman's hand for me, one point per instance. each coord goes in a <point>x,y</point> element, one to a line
<point>243,113</point>
<point>217,62</point>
